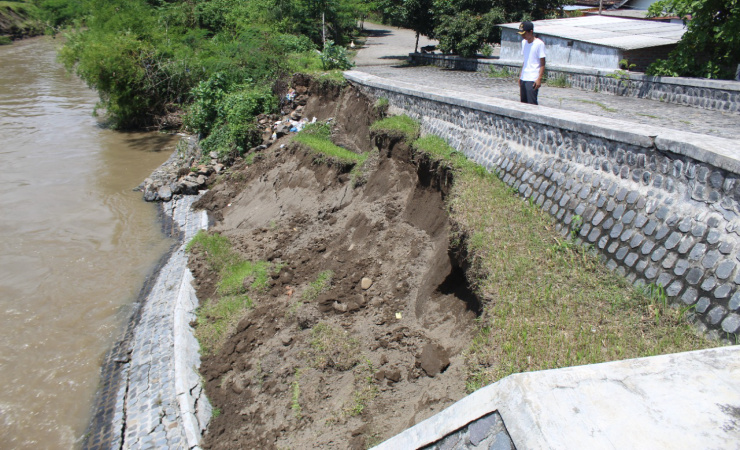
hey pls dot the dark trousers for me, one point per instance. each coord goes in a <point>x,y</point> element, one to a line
<point>527,92</point>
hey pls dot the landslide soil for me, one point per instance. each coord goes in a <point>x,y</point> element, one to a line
<point>355,365</point>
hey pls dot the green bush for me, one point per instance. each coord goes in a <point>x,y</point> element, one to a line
<point>710,48</point>
<point>290,43</point>
<point>63,12</point>
<point>335,57</point>
<point>225,114</point>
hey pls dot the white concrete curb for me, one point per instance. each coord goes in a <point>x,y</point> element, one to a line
<point>680,401</point>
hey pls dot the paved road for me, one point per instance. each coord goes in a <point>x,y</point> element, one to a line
<point>386,51</point>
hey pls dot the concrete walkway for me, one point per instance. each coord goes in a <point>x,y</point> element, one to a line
<point>387,49</point>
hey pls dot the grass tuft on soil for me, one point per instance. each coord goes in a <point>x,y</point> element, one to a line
<point>548,302</point>
<point>408,127</point>
<point>317,137</point>
<point>332,347</point>
<point>217,318</point>
<point>321,284</point>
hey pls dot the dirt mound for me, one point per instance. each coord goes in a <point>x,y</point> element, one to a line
<point>378,350</point>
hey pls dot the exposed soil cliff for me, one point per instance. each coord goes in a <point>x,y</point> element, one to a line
<point>380,349</point>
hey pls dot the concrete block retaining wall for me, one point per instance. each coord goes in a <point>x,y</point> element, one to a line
<point>661,206</point>
<point>719,95</point>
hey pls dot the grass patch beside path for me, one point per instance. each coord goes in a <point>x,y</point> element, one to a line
<point>548,303</point>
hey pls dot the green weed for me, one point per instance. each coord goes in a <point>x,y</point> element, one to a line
<point>498,72</point>
<point>599,104</point>
<point>217,317</point>
<point>560,81</point>
<point>366,388</point>
<point>549,306</point>
<point>321,284</point>
<point>381,107</point>
<point>576,226</point>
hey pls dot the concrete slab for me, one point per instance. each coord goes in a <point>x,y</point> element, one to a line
<point>679,401</point>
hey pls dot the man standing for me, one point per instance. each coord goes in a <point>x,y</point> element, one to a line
<point>533,67</point>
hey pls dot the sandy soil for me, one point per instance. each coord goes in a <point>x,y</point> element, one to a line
<point>380,349</point>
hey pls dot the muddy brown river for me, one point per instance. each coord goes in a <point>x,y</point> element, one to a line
<point>76,244</point>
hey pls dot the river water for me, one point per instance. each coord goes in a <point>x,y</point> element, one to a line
<point>76,244</point>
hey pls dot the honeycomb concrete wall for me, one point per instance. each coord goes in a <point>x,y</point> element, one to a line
<point>661,206</point>
<point>717,95</point>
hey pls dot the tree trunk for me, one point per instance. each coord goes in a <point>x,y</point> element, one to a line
<point>416,47</point>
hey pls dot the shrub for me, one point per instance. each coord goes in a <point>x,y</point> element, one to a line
<point>335,57</point>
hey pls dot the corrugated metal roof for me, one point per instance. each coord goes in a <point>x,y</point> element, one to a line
<point>616,32</point>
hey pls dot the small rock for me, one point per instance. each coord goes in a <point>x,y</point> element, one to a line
<point>286,340</point>
<point>393,375</point>
<point>434,359</point>
<point>165,193</point>
<point>243,324</point>
<point>150,196</point>
<point>366,283</point>
<point>242,347</point>
<point>339,307</point>
<point>360,430</point>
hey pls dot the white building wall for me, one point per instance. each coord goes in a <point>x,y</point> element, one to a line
<point>564,52</point>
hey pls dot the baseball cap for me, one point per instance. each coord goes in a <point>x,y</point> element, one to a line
<point>525,26</point>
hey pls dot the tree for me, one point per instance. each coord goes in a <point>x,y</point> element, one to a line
<point>463,26</point>
<point>710,48</point>
<point>418,16</point>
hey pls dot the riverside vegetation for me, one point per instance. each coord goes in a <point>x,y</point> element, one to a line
<point>466,284</point>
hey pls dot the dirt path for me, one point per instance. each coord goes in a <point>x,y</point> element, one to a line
<point>376,351</point>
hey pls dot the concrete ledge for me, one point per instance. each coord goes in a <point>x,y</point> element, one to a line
<point>681,401</point>
<point>730,85</point>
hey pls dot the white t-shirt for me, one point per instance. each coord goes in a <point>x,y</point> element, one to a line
<point>532,54</point>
